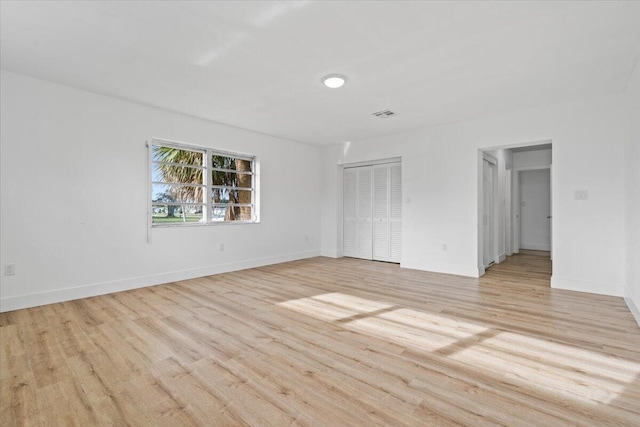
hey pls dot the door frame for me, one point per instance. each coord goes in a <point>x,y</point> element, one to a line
<point>508,214</point>
<point>339,186</point>
<point>517,217</point>
<point>341,168</point>
<point>493,218</point>
<point>479,193</point>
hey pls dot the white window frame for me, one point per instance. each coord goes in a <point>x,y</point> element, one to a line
<point>207,168</point>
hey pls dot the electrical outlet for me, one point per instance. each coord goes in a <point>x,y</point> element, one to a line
<point>9,269</point>
<point>444,247</point>
<point>221,247</point>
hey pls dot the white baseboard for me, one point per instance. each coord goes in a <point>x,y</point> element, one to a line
<point>535,247</point>
<point>455,269</point>
<point>331,254</point>
<point>95,289</point>
<point>633,308</point>
<point>601,288</point>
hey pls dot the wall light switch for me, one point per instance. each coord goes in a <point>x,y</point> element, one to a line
<point>581,195</point>
<point>9,269</point>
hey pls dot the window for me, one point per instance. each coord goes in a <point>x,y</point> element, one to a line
<point>193,185</point>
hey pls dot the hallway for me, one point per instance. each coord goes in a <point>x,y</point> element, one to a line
<point>534,267</point>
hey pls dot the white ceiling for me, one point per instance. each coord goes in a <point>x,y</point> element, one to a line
<point>257,65</point>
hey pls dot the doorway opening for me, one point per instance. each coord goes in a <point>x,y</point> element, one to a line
<point>514,202</point>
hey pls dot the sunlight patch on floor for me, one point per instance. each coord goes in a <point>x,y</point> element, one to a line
<point>334,306</point>
<point>553,367</point>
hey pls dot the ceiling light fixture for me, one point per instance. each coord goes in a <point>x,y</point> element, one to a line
<point>334,81</point>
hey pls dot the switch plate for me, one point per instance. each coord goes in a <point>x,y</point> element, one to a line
<point>9,269</point>
<point>581,195</point>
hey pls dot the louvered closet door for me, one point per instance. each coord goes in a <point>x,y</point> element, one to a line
<point>372,218</point>
<point>365,229</point>
<point>395,212</point>
<point>350,223</point>
<point>381,213</point>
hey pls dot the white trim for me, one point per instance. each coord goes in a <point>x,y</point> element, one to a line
<point>489,158</point>
<point>481,271</point>
<point>149,190</point>
<point>531,168</point>
<point>196,147</point>
<point>633,308</point>
<point>519,145</point>
<point>372,162</point>
<point>454,269</point>
<point>95,289</point>
<point>601,288</point>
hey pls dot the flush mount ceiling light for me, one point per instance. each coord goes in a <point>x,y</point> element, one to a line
<point>334,81</point>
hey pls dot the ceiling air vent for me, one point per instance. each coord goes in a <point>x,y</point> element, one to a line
<point>385,114</point>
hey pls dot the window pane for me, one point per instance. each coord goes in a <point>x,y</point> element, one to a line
<point>231,179</point>
<point>228,179</point>
<point>176,155</point>
<point>244,181</point>
<point>231,213</point>
<point>166,193</point>
<point>182,174</point>
<point>174,214</point>
<point>224,195</point>
<point>232,163</point>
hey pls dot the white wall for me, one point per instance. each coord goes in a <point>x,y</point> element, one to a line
<point>632,283</point>
<point>74,197</point>
<point>535,232</point>
<point>440,185</point>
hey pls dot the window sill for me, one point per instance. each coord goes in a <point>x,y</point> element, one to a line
<point>203,224</point>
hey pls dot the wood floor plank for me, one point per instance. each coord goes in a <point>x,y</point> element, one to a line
<point>324,341</point>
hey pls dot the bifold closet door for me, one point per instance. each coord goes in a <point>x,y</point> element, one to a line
<point>350,213</point>
<point>365,229</point>
<point>381,213</point>
<point>372,215</point>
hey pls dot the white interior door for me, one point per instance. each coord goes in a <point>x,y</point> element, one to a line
<point>535,209</point>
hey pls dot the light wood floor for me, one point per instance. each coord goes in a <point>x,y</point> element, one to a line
<point>327,342</point>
